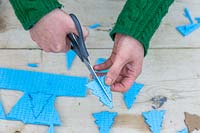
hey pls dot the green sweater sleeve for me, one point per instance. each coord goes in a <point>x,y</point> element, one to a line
<point>140,19</point>
<point>31,11</point>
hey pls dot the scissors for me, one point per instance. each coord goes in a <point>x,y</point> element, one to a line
<point>79,47</point>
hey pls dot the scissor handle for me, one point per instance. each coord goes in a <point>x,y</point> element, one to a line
<point>78,43</point>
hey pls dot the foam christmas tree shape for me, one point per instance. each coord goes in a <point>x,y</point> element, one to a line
<point>2,113</point>
<point>104,120</point>
<point>154,119</point>
<point>23,111</point>
<point>130,95</point>
<point>98,91</point>
<point>70,56</point>
<point>183,131</point>
<point>187,29</point>
<point>100,61</point>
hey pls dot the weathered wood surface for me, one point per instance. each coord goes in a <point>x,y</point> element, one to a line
<point>171,69</point>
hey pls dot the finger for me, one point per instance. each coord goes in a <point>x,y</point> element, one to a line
<point>104,65</point>
<point>114,71</point>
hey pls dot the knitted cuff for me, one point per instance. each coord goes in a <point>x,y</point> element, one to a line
<point>140,19</point>
<point>30,12</point>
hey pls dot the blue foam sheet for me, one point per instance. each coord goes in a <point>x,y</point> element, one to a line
<point>183,131</point>
<point>2,113</point>
<point>29,81</point>
<point>187,29</point>
<point>188,16</point>
<point>94,26</point>
<point>130,95</point>
<point>104,120</point>
<point>97,91</point>
<point>100,61</point>
<point>22,111</point>
<point>70,56</point>
<point>154,119</point>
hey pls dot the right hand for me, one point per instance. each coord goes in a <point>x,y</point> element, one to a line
<point>51,30</point>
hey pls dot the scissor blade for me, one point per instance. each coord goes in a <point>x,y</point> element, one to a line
<point>95,76</point>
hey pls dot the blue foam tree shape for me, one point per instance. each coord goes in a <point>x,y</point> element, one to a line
<point>187,29</point>
<point>154,119</point>
<point>2,113</point>
<point>183,131</point>
<point>100,61</point>
<point>104,120</point>
<point>23,111</point>
<point>130,95</point>
<point>70,56</point>
<point>97,91</point>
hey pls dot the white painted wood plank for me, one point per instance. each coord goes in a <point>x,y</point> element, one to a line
<point>105,12</point>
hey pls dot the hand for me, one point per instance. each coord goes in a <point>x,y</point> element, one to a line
<point>50,32</point>
<point>124,64</point>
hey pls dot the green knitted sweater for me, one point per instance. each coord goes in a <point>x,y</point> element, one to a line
<point>138,19</point>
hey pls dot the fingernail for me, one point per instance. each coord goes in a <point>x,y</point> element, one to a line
<point>108,81</point>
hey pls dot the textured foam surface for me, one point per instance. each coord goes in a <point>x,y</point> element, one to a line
<point>100,61</point>
<point>29,81</point>
<point>104,120</point>
<point>130,95</point>
<point>23,111</point>
<point>154,119</point>
<point>183,131</point>
<point>187,29</point>
<point>98,91</point>
<point>70,56</point>
<point>2,113</point>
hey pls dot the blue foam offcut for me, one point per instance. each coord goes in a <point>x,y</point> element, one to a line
<point>198,20</point>
<point>51,129</point>
<point>70,56</point>
<point>2,113</point>
<point>104,120</point>
<point>97,91</point>
<point>188,16</point>
<point>22,111</point>
<point>34,82</point>
<point>183,131</point>
<point>94,26</point>
<point>32,64</point>
<point>130,95</point>
<point>154,119</point>
<point>100,61</point>
<point>187,29</point>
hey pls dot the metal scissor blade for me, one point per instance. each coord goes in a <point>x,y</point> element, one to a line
<point>95,76</point>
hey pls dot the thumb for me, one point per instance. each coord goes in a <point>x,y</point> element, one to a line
<point>114,71</point>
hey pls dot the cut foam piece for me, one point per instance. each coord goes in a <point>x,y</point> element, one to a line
<point>188,16</point>
<point>154,119</point>
<point>70,56</point>
<point>29,81</point>
<point>98,91</point>
<point>32,65</point>
<point>183,131</point>
<point>198,20</point>
<point>51,129</point>
<point>100,61</point>
<point>187,29</point>
<point>94,26</point>
<point>104,120</point>
<point>22,111</point>
<point>130,95</point>
<point>2,113</point>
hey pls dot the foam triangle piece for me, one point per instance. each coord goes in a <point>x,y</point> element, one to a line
<point>2,113</point>
<point>70,56</point>
<point>104,120</point>
<point>188,16</point>
<point>154,119</point>
<point>38,102</point>
<point>98,91</point>
<point>51,129</point>
<point>183,131</point>
<point>130,95</point>
<point>100,61</point>
<point>34,82</point>
<point>22,111</point>
<point>187,29</point>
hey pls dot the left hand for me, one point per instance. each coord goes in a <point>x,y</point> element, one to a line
<point>124,64</point>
